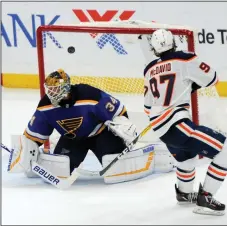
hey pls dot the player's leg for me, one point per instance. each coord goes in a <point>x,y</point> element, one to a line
<point>185,173</point>
<point>213,145</point>
<point>207,142</point>
<point>75,149</point>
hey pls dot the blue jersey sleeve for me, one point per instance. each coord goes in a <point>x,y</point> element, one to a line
<point>108,107</point>
<point>38,128</point>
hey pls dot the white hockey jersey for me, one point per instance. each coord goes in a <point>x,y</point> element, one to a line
<point>169,82</point>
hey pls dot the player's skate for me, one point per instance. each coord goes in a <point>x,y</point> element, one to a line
<point>185,198</point>
<point>206,204</point>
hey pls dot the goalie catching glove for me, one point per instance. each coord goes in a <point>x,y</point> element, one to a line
<point>123,128</point>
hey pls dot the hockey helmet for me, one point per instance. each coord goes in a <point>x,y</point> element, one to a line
<point>57,86</point>
<point>162,41</point>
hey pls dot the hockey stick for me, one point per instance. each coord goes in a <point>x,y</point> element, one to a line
<point>125,151</point>
<point>128,148</point>
<point>5,148</point>
<point>47,175</point>
<point>51,178</point>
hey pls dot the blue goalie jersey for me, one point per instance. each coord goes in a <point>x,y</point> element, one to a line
<point>82,115</point>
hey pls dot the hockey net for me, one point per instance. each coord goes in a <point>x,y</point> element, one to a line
<point>109,56</point>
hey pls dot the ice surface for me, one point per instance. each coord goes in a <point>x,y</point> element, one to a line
<point>89,201</point>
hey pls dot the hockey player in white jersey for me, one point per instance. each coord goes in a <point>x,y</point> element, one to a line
<point>169,82</point>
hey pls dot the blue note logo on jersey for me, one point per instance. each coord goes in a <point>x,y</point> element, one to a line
<point>70,125</point>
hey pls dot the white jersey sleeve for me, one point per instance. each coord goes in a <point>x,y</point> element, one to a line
<point>146,48</point>
<point>200,73</point>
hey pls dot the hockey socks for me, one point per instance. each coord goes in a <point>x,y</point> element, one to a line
<point>214,178</point>
<point>216,174</point>
<point>185,180</point>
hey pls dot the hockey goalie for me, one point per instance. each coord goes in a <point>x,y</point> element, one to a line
<point>87,118</point>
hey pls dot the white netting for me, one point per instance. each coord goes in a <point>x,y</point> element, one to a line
<point>212,110</point>
<point>115,63</point>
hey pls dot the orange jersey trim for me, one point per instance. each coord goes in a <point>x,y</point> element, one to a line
<point>160,118</point>
<point>100,130</point>
<point>45,107</point>
<point>123,111</point>
<point>146,111</point>
<point>86,101</point>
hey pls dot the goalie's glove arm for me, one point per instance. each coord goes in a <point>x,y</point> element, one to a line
<point>112,112</point>
<point>38,129</point>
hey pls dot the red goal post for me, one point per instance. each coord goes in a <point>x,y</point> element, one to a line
<point>116,27</point>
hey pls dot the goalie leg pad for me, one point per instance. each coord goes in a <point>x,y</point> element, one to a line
<point>163,160</point>
<point>136,164</point>
<point>23,152</point>
<point>139,163</point>
<point>57,164</point>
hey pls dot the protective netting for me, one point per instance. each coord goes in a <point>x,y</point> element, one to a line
<point>134,83</point>
<point>109,67</point>
<point>114,62</point>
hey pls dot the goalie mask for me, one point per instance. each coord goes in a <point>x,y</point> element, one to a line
<point>57,86</point>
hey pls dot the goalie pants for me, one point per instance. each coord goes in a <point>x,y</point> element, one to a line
<point>185,140</point>
<point>102,144</point>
